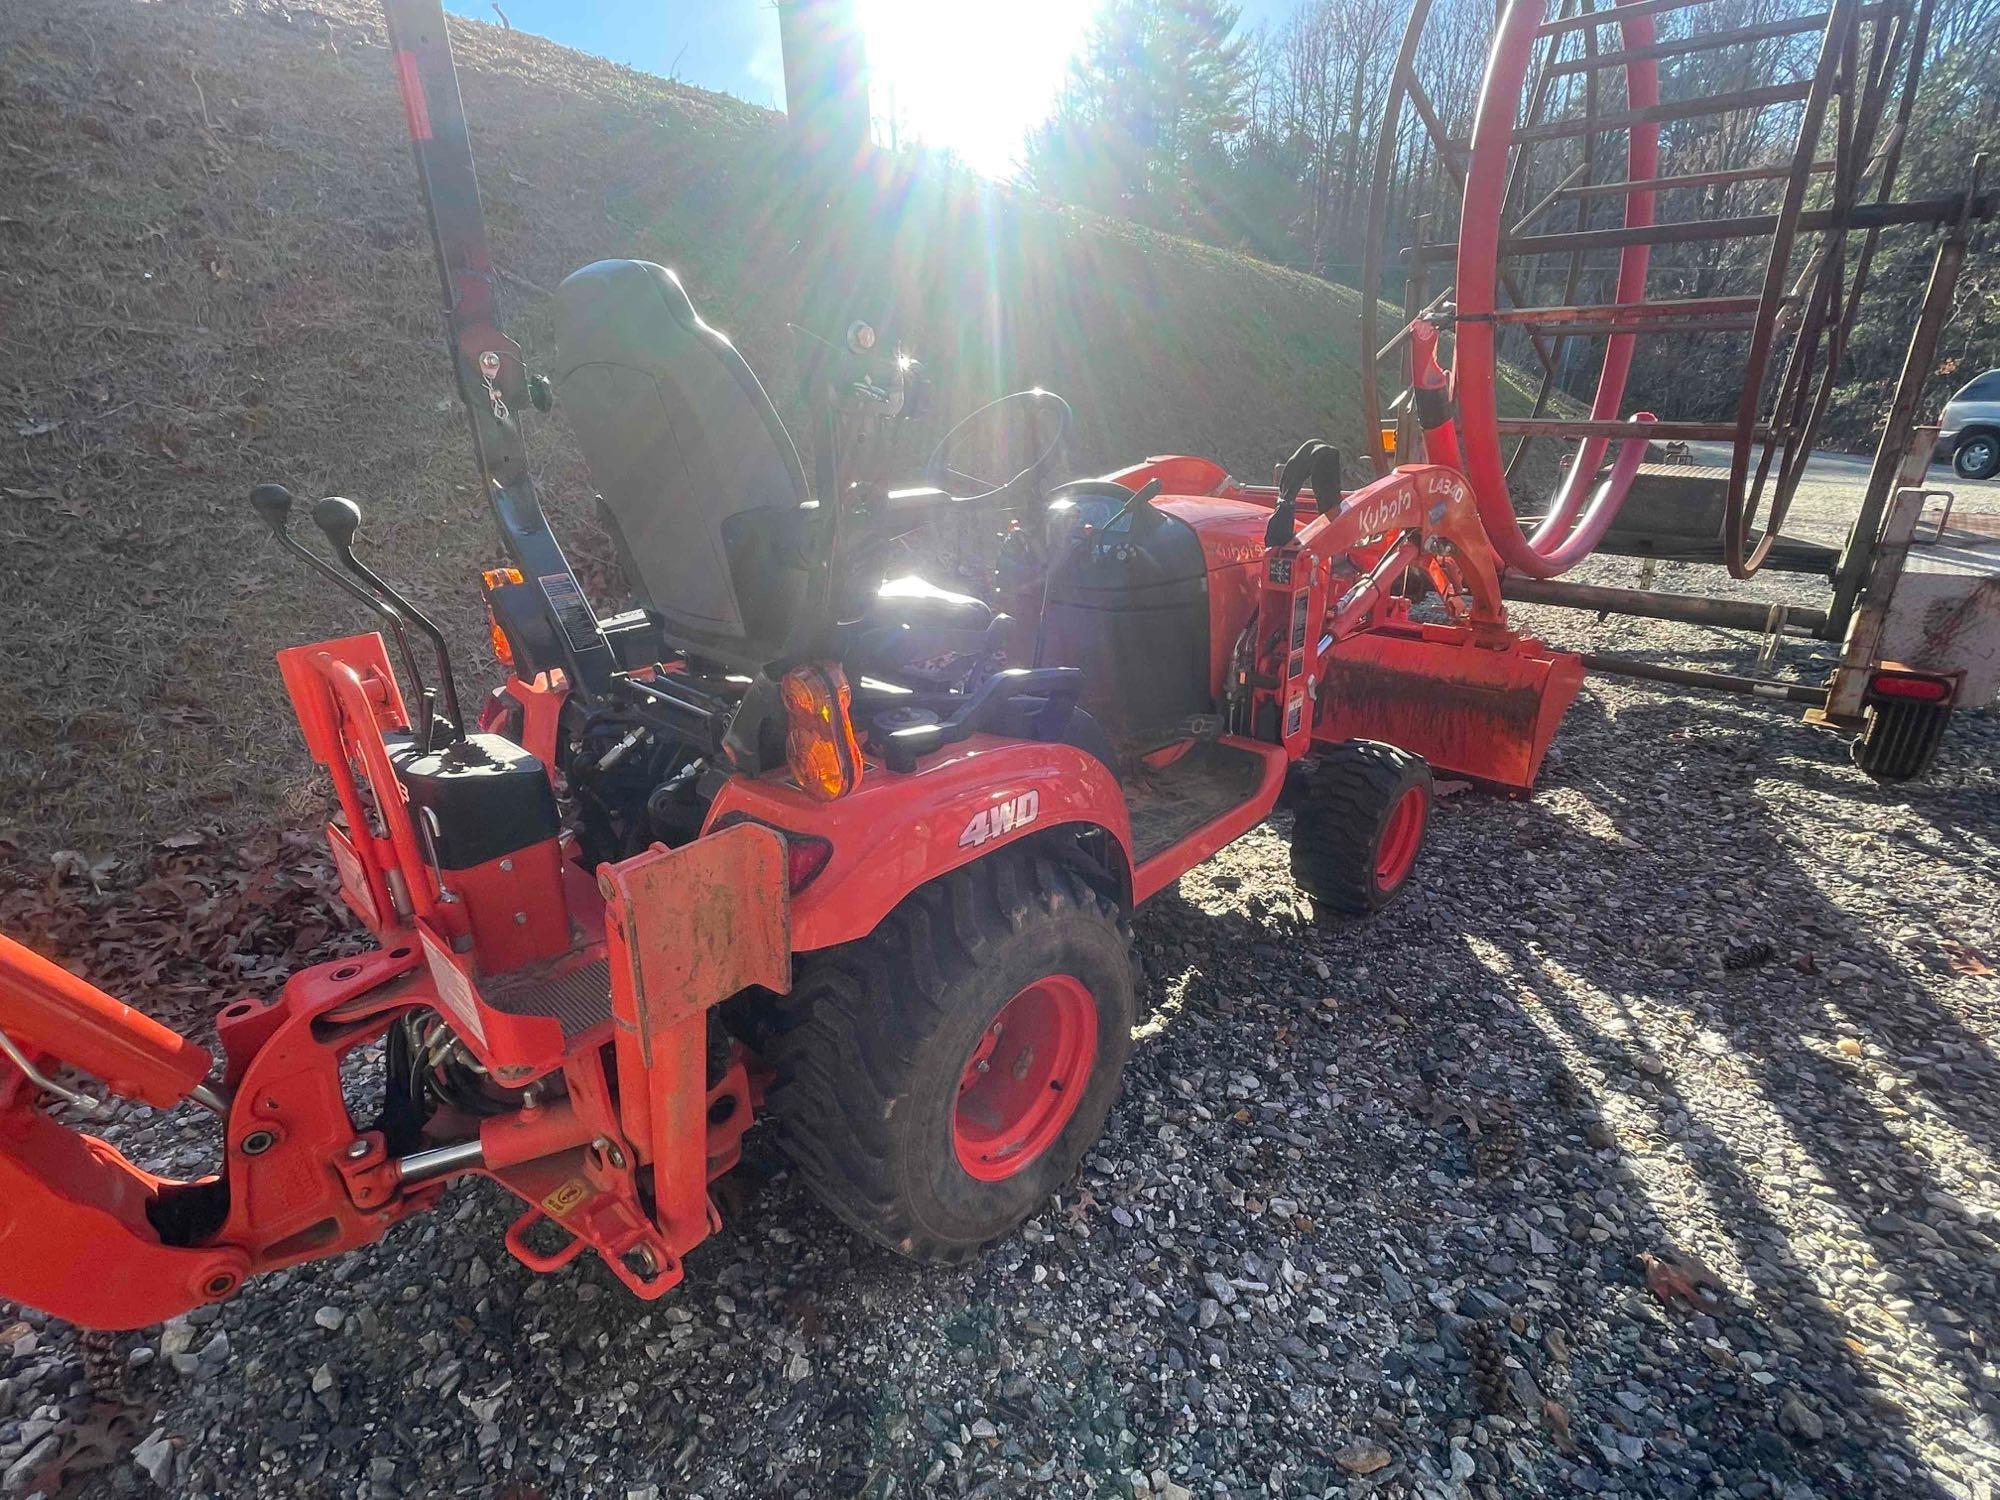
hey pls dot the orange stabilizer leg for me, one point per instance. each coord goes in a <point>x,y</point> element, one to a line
<point>686,929</point>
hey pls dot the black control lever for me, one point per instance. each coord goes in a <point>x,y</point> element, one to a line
<point>1308,464</point>
<point>1297,469</point>
<point>1326,478</point>
<point>339,518</point>
<point>1141,497</point>
<point>273,504</point>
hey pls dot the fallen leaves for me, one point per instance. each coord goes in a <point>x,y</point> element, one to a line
<point>1966,961</point>
<point>198,922</point>
<point>1675,1275</point>
<point>101,1441</point>
<point>1444,1111</point>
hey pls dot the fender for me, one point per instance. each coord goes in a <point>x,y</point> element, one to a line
<point>1178,473</point>
<point>895,833</point>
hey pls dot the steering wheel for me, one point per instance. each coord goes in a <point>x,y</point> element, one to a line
<point>938,468</point>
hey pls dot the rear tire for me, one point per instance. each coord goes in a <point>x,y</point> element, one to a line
<point>1977,456</point>
<point>881,1098</point>
<point>1364,810</point>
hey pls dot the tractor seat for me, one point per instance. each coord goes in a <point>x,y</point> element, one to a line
<point>702,489</point>
<point>912,630</point>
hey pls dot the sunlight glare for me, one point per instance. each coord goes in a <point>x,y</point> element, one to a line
<point>969,76</point>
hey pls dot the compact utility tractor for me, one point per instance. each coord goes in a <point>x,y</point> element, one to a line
<point>788,837</point>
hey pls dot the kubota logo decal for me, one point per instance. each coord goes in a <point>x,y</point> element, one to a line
<point>1378,517</point>
<point>993,822</point>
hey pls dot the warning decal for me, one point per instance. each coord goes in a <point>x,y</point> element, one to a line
<point>579,621</point>
<point>454,989</point>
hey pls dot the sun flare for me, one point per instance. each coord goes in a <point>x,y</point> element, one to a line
<point>969,76</point>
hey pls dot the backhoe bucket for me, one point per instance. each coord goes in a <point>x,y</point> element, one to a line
<point>1477,712</point>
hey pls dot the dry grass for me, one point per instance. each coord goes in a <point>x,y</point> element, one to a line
<point>214,271</point>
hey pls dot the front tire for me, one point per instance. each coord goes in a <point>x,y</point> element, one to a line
<point>1977,456</point>
<point>939,1078</point>
<point>1364,810</point>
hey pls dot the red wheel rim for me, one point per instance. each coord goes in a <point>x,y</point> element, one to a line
<point>1025,1078</point>
<point>1401,835</point>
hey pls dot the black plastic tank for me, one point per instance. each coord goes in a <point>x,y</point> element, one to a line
<point>1129,605</point>
<point>482,797</point>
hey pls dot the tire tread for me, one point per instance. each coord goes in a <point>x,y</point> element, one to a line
<point>1346,796</point>
<point>849,1039</point>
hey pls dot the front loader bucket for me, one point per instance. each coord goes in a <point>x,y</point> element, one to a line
<point>1473,711</point>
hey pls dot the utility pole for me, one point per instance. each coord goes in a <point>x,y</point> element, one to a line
<point>826,80</point>
<point>842,235</point>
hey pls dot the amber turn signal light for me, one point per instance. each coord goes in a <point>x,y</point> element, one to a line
<point>495,578</point>
<point>820,746</point>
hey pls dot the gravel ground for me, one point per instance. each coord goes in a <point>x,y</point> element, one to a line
<point>1398,1208</point>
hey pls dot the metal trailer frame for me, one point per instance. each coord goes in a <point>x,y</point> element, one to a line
<point>1772,434</point>
<point>1869,566</point>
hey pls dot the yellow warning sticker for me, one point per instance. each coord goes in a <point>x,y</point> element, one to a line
<point>566,1197</point>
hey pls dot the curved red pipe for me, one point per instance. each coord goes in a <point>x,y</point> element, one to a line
<point>1564,537</point>
<point>1565,551</point>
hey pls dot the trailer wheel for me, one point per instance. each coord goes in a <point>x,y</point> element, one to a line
<point>937,1079</point>
<point>1363,811</point>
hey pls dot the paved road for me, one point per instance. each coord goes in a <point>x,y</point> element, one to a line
<point>1831,492</point>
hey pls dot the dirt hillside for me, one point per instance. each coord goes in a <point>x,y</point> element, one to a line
<point>214,271</point>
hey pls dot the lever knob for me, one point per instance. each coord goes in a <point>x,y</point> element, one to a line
<point>338,518</point>
<point>273,504</point>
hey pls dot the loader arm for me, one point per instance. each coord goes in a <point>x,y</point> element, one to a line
<point>1431,519</point>
<point>1336,656</point>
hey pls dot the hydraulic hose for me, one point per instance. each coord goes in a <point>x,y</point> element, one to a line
<point>1580,513</point>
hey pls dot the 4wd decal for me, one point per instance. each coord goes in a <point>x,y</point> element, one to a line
<point>992,822</point>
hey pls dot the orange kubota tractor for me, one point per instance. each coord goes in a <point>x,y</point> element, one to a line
<point>788,836</point>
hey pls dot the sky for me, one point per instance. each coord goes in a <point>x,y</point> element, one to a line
<point>972,75</point>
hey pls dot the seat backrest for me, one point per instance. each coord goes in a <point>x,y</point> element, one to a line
<point>700,481</point>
